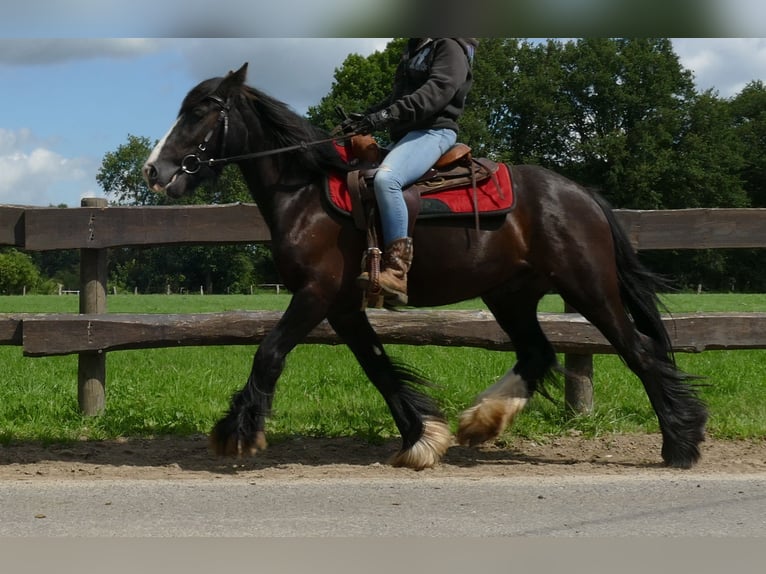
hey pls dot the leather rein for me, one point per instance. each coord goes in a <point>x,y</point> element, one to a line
<point>192,163</point>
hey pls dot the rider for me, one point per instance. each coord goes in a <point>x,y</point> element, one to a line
<point>421,113</point>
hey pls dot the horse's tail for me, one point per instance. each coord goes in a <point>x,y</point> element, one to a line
<point>681,413</point>
<point>639,287</point>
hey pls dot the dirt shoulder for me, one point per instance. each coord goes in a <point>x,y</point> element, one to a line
<point>310,458</point>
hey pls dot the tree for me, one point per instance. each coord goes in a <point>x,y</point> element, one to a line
<point>120,174</point>
<point>17,272</point>
<point>61,267</point>
<point>749,111</point>
<point>628,100</point>
<point>490,123</point>
<point>708,158</point>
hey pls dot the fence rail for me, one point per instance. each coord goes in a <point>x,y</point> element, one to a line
<point>94,228</point>
<point>65,334</point>
<point>101,227</point>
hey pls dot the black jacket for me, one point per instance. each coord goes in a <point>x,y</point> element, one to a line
<point>430,85</point>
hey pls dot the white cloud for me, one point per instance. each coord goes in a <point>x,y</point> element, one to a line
<point>10,141</point>
<point>31,174</point>
<point>723,64</point>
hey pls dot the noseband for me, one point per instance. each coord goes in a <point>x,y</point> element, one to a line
<point>192,163</point>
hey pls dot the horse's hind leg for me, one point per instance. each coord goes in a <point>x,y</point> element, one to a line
<point>681,414</point>
<point>496,407</point>
<point>425,434</point>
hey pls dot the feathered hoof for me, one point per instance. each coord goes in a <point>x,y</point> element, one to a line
<point>429,450</point>
<point>235,446</point>
<point>683,455</point>
<point>486,419</point>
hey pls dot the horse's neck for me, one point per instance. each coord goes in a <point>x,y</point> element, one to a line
<point>273,190</point>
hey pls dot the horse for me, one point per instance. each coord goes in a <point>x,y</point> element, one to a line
<point>559,237</point>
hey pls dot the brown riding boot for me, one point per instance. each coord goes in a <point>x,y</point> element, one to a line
<point>397,259</point>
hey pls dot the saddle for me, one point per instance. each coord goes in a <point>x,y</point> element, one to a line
<point>456,170</point>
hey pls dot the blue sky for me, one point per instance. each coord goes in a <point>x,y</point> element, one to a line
<point>68,101</point>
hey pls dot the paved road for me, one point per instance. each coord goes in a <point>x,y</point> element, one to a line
<point>691,506</point>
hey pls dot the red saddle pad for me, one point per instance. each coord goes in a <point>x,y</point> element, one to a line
<point>494,196</point>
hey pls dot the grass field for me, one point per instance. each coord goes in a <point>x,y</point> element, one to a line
<point>323,391</point>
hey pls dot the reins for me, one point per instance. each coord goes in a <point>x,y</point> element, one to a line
<point>192,163</point>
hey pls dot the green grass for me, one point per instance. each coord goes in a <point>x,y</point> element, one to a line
<point>323,392</point>
<point>148,303</point>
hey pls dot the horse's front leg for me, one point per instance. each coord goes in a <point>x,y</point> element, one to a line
<point>425,434</point>
<point>242,431</point>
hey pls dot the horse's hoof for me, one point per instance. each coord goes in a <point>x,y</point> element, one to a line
<point>428,451</point>
<point>470,434</point>
<point>236,447</point>
<point>683,455</point>
<point>487,419</point>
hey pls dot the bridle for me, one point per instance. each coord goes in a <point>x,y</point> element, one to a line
<point>192,163</point>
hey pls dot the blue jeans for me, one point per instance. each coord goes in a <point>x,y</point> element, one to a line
<point>411,157</point>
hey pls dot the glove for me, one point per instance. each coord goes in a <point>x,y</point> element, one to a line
<point>365,124</point>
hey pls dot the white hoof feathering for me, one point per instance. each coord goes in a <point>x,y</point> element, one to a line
<point>428,451</point>
<point>493,410</point>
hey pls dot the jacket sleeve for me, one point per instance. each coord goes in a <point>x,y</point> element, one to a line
<point>449,70</point>
<point>379,106</point>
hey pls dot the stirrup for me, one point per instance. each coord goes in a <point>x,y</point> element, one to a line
<point>369,279</point>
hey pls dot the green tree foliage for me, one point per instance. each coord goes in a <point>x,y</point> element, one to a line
<point>620,115</point>
<point>120,174</point>
<point>749,111</point>
<point>17,272</point>
<point>627,99</point>
<point>707,159</point>
<point>61,267</point>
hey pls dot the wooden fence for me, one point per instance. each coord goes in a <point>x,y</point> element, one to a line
<point>94,228</point>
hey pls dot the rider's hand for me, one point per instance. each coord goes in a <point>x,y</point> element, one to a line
<point>364,124</point>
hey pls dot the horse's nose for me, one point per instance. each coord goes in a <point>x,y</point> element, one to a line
<point>150,174</point>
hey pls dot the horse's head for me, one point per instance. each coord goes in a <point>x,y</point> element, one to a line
<point>201,133</point>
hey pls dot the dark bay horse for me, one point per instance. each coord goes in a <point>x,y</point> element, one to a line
<point>559,237</point>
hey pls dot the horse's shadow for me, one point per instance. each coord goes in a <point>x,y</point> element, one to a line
<point>192,454</point>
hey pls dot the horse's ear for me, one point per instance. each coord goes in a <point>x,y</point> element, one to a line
<point>232,81</point>
<point>238,76</point>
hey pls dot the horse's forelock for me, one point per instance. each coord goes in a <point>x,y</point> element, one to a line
<point>199,93</point>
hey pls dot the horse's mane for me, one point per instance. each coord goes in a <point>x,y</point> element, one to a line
<point>283,127</point>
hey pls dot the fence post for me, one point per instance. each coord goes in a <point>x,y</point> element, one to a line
<point>578,380</point>
<point>91,369</point>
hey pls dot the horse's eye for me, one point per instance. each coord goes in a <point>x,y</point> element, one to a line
<point>199,112</point>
